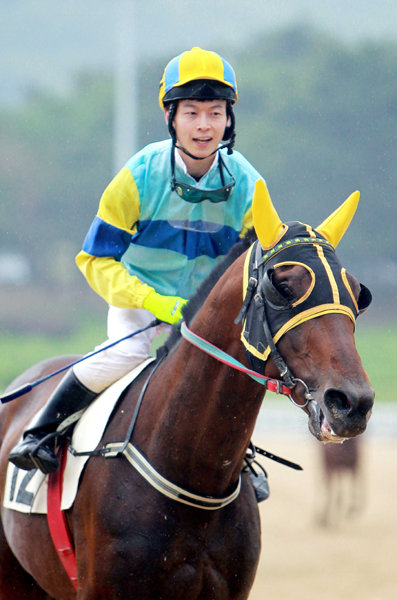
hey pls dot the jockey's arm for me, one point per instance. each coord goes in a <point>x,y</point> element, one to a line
<point>107,239</point>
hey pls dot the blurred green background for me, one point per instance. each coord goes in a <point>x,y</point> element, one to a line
<point>376,345</point>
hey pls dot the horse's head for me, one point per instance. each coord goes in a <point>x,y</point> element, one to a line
<point>308,305</point>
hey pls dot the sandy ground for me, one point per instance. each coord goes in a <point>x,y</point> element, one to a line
<point>353,559</point>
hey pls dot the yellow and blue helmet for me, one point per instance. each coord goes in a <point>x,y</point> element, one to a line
<point>198,74</point>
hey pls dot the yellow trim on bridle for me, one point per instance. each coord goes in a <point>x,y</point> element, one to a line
<point>328,270</point>
<point>302,317</point>
<point>347,284</point>
<point>246,269</point>
<point>312,274</point>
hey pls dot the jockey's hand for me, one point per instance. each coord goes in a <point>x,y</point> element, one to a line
<point>165,308</point>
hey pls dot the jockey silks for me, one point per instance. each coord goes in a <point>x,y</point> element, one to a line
<point>145,229</point>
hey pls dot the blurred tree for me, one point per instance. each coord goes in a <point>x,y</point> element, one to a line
<point>318,118</point>
<point>57,155</point>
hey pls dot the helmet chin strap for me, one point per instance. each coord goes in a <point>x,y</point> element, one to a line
<point>182,149</point>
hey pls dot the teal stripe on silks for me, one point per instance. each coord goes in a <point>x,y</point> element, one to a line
<point>219,354</point>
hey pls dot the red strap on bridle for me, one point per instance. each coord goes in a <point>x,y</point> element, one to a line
<point>57,521</point>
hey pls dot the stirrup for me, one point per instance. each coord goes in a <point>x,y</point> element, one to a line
<point>259,480</point>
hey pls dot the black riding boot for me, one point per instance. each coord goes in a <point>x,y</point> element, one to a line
<point>37,452</point>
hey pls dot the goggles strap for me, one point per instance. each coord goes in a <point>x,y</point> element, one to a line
<point>175,145</point>
<point>221,164</point>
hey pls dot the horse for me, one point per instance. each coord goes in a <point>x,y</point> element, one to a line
<point>342,479</point>
<point>198,537</point>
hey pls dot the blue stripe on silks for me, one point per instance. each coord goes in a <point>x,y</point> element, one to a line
<point>103,239</point>
<point>190,243</point>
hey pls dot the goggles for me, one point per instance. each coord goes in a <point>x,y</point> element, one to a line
<point>194,194</point>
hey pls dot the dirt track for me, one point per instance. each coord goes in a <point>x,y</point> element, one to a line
<point>355,560</point>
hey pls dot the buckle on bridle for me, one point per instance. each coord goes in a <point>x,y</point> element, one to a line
<point>308,396</point>
<point>279,386</point>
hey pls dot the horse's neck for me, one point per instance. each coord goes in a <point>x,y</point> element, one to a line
<point>204,411</point>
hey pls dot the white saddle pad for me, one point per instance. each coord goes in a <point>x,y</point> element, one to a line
<point>26,491</point>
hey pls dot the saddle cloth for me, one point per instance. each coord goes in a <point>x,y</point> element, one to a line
<point>26,491</point>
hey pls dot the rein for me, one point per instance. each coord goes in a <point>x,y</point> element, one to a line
<point>143,466</point>
<point>273,385</point>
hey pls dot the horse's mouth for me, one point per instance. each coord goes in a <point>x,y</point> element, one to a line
<point>319,426</point>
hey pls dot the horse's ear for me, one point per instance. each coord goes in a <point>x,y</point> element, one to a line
<point>335,226</point>
<point>268,226</point>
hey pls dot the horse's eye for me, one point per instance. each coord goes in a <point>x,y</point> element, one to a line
<point>291,282</point>
<point>285,290</point>
<point>274,295</point>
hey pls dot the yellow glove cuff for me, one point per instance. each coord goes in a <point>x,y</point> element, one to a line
<point>165,308</point>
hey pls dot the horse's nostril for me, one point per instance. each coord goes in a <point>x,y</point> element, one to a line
<point>337,401</point>
<point>348,411</point>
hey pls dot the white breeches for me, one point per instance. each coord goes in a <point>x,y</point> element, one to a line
<point>106,367</point>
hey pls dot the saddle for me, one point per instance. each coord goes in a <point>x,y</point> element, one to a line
<point>26,491</point>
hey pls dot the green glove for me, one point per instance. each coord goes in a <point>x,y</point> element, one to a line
<point>165,308</point>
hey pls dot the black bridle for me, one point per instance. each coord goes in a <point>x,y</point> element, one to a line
<point>255,294</point>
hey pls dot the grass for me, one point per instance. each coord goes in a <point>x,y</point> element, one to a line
<point>19,351</point>
<point>378,350</point>
<point>377,347</point>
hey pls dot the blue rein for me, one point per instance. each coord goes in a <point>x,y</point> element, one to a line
<point>27,387</point>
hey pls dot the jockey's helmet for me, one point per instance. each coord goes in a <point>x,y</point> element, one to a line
<point>198,74</point>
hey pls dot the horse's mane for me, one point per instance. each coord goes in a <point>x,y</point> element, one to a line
<point>197,300</point>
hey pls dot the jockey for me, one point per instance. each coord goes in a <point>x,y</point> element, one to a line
<point>165,220</point>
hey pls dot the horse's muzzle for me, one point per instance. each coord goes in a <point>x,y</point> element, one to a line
<point>341,414</point>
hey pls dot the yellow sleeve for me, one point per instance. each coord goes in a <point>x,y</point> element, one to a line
<point>119,207</point>
<point>111,280</point>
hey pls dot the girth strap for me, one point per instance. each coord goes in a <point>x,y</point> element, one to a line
<point>161,484</point>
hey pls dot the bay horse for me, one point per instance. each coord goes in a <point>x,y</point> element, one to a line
<point>198,413</point>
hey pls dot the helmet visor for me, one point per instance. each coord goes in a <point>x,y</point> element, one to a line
<point>201,89</point>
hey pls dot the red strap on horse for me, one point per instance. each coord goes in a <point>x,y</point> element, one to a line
<point>57,521</point>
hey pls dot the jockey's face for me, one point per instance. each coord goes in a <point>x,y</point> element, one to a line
<point>199,126</point>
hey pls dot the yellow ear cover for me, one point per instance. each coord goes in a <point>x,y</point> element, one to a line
<point>268,225</point>
<point>335,226</point>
